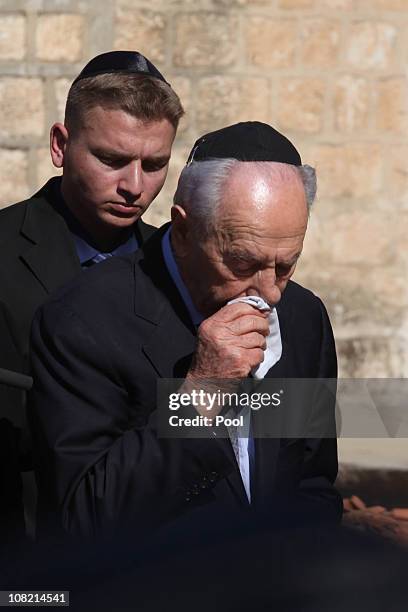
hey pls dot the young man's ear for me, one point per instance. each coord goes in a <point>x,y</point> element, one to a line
<point>179,229</point>
<point>58,142</point>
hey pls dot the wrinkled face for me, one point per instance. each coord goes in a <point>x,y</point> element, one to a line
<point>114,166</point>
<point>257,241</point>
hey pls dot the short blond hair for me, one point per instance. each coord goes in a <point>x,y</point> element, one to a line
<point>142,96</point>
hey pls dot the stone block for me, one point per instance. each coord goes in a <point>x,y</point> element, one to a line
<point>401,250</point>
<point>205,39</point>
<point>21,107</point>
<point>142,30</point>
<point>363,169</point>
<point>375,467</point>
<point>59,38</point>
<point>300,104</point>
<point>129,5</point>
<point>360,237</point>
<point>159,210</point>
<point>390,296</point>
<point>296,4</point>
<point>312,242</point>
<point>320,42</point>
<point>355,295</point>
<point>61,92</point>
<point>351,103</point>
<point>44,167</point>
<point>28,6</point>
<point>202,5</point>
<point>62,6</point>
<point>271,43</point>
<point>347,171</point>
<point>13,176</point>
<point>371,45</point>
<point>336,4</point>
<point>12,37</point>
<point>397,183</point>
<point>222,100</point>
<point>369,357</point>
<point>386,5</point>
<point>182,86</point>
<point>391,108</point>
<point>330,167</point>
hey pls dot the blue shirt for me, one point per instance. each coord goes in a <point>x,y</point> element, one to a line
<point>174,272</point>
<point>84,245</point>
<point>86,251</point>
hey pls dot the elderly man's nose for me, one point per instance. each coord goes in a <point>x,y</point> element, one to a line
<point>263,284</point>
<point>264,280</point>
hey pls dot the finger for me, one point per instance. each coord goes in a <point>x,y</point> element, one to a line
<point>253,340</point>
<point>234,311</point>
<point>255,357</point>
<point>247,324</point>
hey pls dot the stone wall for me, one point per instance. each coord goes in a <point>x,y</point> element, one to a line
<point>332,74</point>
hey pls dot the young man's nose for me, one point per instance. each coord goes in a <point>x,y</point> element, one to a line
<point>131,181</point>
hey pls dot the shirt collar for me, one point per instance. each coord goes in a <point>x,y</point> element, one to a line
<point>83,243</point>
<point>86,251</point>
<point>174,272</point>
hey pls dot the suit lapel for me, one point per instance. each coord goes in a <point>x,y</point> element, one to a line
<point>170,348</point>
<point>143,231</point>
<point>173,341</point>
<point>52,265</point>
<point>50,253</point>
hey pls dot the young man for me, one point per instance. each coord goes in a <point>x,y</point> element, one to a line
<point>113,148</point>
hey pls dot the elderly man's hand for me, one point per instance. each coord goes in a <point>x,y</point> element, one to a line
<point>230,343</point>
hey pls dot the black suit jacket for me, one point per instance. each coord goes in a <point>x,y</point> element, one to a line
<point>37,256</point>
<point>98,349</point>
<point>12,526</point>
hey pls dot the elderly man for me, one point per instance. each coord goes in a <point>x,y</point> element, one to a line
<point>99,347</point>
<point>113,148</point>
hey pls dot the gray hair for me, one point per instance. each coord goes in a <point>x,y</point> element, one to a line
<point>309,180</point>
<point>199,188</point>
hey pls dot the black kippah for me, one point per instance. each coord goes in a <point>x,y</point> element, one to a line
<point>248,141</point>
<point>130,62</point>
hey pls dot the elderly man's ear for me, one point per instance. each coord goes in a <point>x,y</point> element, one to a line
<point>58,143</point>
<point>179,230</point>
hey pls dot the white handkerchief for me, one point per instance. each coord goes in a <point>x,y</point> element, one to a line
<point>273,351</point>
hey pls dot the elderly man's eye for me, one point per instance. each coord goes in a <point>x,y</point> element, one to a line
<point>283,270</point>
<point>243,268</point>
<point>112,162</point>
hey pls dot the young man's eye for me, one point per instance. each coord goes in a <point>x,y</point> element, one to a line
<point>151,166</point>
<point>108,161</point>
